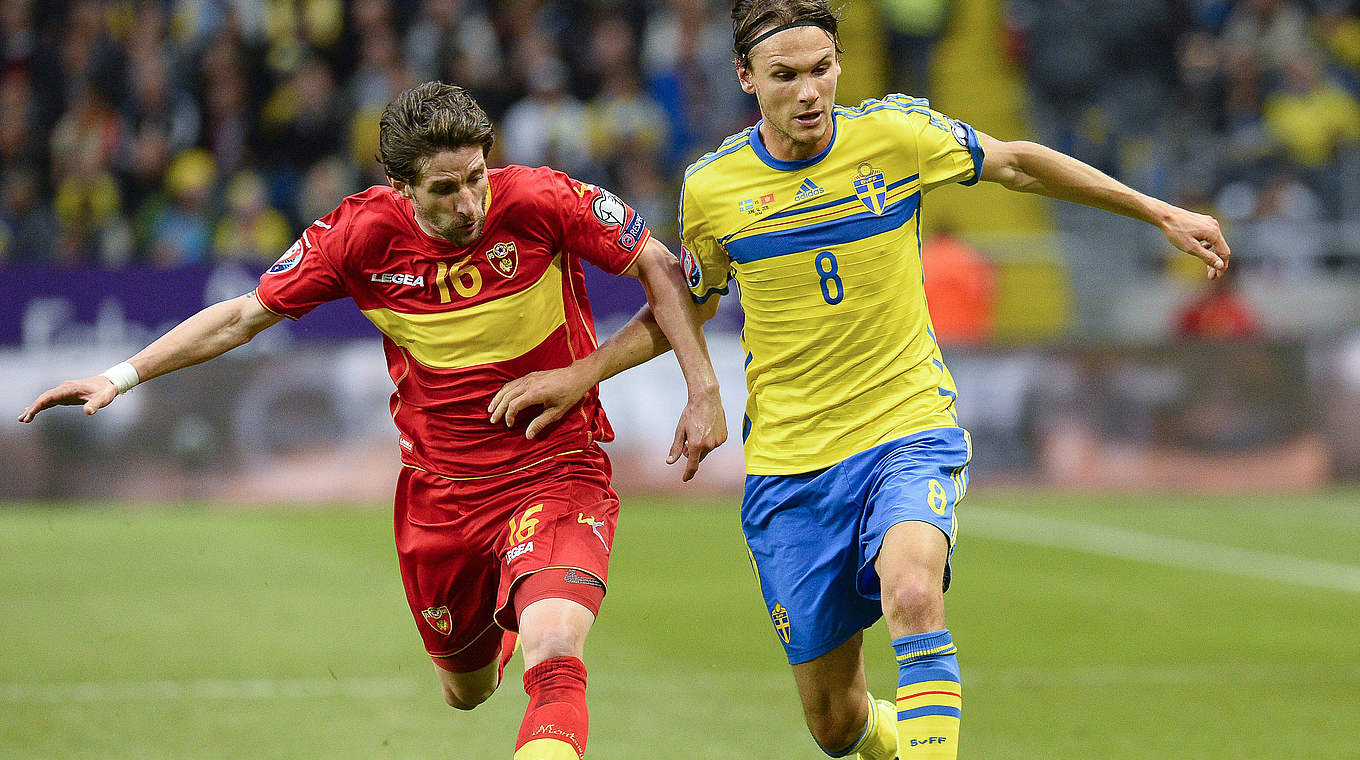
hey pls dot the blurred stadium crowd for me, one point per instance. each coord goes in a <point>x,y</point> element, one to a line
<point>183,131</point>
<point>1247,108</point>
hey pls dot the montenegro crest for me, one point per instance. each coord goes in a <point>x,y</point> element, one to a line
<point>780,616</point>
<point>439,619</point>
<point>871,188</point>
<point>503,258</point>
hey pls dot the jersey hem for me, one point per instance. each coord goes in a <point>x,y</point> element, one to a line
<point>807,466</point>
<point>461,478</point>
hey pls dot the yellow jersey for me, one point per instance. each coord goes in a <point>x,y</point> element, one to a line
<point>826,254</point>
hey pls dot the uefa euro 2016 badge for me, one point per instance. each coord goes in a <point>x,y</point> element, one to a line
<point>438,618</point>
<point>503,258</point>
<point>871,188</point>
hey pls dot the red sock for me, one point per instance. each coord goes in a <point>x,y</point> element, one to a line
<point>557,704</point>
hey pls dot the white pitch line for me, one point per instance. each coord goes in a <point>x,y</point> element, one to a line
<point>219,689</point>
<point>1038,530</point>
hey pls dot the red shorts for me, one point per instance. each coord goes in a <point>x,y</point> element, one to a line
<point>463,545</point>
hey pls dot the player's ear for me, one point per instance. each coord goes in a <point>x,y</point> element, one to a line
<point>744,78</point>
<point>403,189</point>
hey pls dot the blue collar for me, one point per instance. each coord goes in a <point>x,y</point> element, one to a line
<point>763,153</point>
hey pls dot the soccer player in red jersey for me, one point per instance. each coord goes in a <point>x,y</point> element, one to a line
<point>474,277</point>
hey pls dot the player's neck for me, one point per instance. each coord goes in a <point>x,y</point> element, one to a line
<point>784,148</point>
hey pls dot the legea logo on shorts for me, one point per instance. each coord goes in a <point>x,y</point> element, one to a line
<point>438,618</point>
<point>516,551</point>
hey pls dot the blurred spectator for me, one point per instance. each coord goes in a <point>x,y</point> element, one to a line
<point>1311,116</point>
<point>545,127</point>
<point>624,120</point>
<point>304,118</point>
<point>180,227</point>
<point>1218,312</point>
<point>91,227</point>
<point>687,64</point>
<point>1266,34</point>
<point>328,179</point>
<point>28,229</point>
<point>251,231</point>
<point>230,117</point>
<point>914,28</point>
<point>960,290</point>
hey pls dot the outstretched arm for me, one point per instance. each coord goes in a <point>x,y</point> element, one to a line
<point>207,334</point>
<point>1031,168</point>
<point>668,320</point>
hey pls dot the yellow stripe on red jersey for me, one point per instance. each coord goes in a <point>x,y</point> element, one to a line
<point>460,322</point>
<point>826,256</point>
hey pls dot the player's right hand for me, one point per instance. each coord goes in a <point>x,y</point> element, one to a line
<point>94,392</point>
<point>702,428</point>
<point>557,391</point>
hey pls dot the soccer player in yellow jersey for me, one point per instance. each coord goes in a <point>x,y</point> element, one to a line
<point>854,456</point>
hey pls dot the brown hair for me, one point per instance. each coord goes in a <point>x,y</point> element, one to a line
<point>425,120</point>
<point>751,17</point>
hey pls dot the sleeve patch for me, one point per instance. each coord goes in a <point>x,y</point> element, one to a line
<point>690,265</point>
<point>960,133</point>
<point>609,209</point>
<point>291,258</point>
<point>613,212</point>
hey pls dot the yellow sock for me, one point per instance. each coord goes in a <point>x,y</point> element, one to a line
<point>929,705</point>
<point>546,749</point>
<point>880,734</point>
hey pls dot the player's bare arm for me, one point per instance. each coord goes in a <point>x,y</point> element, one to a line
<point>669,318</point>
<point>1032,168</point>
<point>207,334</point>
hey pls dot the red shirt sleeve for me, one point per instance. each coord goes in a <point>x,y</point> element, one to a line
<point>596,224</point>
<point>307,276</point>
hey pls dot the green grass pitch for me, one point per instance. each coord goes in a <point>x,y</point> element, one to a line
<point>1088,627</point>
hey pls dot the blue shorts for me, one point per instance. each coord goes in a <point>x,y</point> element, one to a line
<point>814,537</point>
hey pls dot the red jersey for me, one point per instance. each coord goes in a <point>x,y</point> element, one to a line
<point>458,323</point>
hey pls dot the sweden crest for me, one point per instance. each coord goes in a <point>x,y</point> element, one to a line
<point>780,616</point>
<point>871,188</point>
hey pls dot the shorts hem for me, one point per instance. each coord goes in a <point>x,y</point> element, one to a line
<point>808,655</point>
<point>510,594</point>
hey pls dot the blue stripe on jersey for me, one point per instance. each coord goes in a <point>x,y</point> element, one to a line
<point>837,202</point>
<point>824,235</point>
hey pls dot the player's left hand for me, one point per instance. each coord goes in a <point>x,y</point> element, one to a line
<point>1198,235</point>
<point>702,428</point>
<point>556,390</point>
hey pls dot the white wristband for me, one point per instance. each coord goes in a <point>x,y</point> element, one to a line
<point>123,376</point>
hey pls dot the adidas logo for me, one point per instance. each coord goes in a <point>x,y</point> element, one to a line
<point>807,190</point>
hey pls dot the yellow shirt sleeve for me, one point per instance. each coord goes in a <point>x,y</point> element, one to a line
<point>703,260</point>
<point>946,150</point>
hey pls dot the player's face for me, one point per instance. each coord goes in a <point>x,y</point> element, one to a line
<point>793,76</point>
<point>449,196</point>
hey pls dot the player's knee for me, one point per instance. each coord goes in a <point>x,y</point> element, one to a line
<point>913,597</point>
<point>834,732</point>
<point>466,698</point>
<point>552,641</point>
